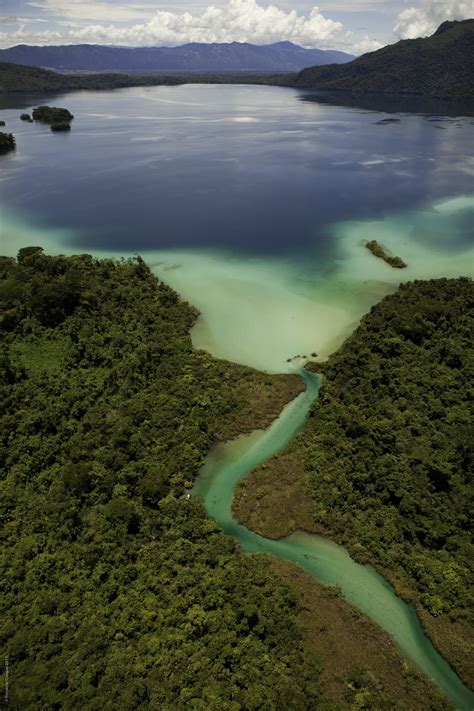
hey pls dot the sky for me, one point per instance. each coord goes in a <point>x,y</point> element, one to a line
<point>355,26</point>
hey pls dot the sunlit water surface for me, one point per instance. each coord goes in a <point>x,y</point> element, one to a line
<point>252,203</point>
<point>255,206</point>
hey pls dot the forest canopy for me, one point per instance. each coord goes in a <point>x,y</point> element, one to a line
<point>119,592</point>
<point>7,142</point>
<point>52,115</point>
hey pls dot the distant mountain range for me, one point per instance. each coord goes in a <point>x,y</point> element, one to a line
<point>433,68</point>
<point>195,57</point>
<point>440,66</point>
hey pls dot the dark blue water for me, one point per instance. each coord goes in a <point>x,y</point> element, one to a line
<point>218,174</point>
<point>252,169</point>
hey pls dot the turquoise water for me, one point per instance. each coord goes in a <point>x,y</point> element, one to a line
<point>254,206</point>
<point>252,203</point>
<point>324,560</point>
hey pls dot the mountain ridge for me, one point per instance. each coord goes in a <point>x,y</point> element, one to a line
<point>440,66</point>
<point>194,56</point>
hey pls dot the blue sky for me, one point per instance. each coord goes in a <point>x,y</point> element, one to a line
<point>350,25</point>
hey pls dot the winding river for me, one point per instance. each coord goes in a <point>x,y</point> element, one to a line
<point>324,560</point>
<point>254,206</point>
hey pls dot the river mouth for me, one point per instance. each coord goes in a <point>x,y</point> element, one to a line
<point>252,204</point>
<point>263,313</point>
<point>276,313</point>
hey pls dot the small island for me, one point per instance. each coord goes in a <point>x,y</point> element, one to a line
<point>2,123</point>
<point>26,117</point>
<point>52,115</point>
<point>7,142</point>
<point>380,252</point>
<point>60,126</point>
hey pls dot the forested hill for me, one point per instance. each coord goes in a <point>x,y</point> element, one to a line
<point>440,66</point>
<point>17,78</point>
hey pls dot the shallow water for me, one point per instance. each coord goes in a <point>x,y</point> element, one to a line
<point>254,205</point>
<point>251,201</point>
<point>262,312</point>
<point>327,562</point>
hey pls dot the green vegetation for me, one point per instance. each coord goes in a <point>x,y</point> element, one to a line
<point>60,127</point>
<point>441,66</point>
<point>382,253</point>
<point>26,117</point>
<point>390,447</point>
<point>119,593</point>
<point>7,142</point>
<point>2,123</point>
<point>52,115</point>
<point>361,667</point>
<point>17,78</point>
<point>384,464</point>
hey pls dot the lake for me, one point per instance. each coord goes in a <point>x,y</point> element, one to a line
<point>251,201</point>
<point>255,203</point>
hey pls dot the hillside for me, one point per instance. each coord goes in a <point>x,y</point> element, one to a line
<point>234,56</point>
<point>16,78</point>
<point>440,66</point>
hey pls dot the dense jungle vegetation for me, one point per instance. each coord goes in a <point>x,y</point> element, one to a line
<point>19,78</point>
<point>7,142</point>
<point>440,66</point>
<point>52,114</point>
<point>119,593</point>
<point>390,450</point>
<point>384,464</point>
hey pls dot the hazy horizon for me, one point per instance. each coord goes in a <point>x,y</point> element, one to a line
<point>353,26</point>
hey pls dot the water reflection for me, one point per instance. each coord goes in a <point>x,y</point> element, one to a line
<point>246,168</point>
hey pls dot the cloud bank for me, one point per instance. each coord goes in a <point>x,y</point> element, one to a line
<point>422,21</point>
<point>239,21</point>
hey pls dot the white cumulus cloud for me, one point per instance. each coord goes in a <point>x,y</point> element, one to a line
<point>366,45</point>
<point>422,21</point>
<point>238,20</point>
